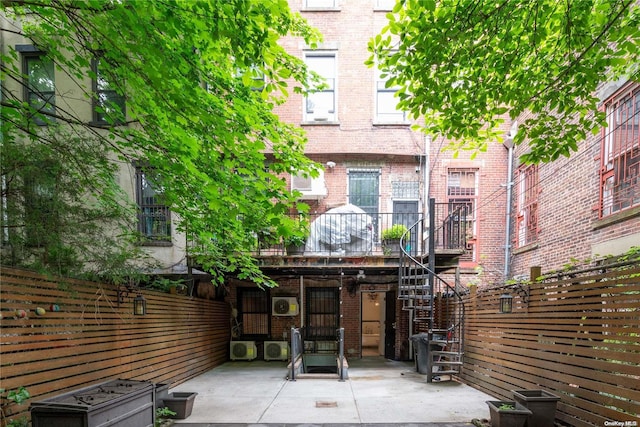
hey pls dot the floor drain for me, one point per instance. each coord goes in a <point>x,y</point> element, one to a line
<point>320,404</point>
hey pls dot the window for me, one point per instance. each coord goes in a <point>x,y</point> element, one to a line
<point>620,170</point>
<point>39,85</point>
<point>324,4</point>
<point>462,191</point>
<point>386,101</point>
<point>322,313</point>
<point>154,217</point>
<point>526,189</point>
<point>41,205</point>
<point>321,106</point>
<point>108,105</point>
<point>384,4</point>
<point>253,312</point>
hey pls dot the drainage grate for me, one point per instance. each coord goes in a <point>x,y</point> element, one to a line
<point>320,404</point>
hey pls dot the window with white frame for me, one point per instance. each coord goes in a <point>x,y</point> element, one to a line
<point>321,105</point>
<point>526,189</point>
<point>39,85</point>
<point>386,101</point>
<point>320,4</point>
<point>384,4</point>
<point>620,168</point>
<point>108,105</point>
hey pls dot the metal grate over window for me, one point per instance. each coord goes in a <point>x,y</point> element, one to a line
<point>322,313</point>
<point>409,190</point>
<point>620,169</point>
<point>253,312</point>
<point>526,188</point>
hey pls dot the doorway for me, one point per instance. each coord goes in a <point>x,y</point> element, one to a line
<point>373,323</point>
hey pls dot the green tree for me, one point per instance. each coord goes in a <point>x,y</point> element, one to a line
<point>194,112</point>
<point>464,65</point>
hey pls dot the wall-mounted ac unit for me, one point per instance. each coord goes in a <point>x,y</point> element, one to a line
<point>311,188</point>
<point>243,350</point>
<point>276,350</point>
<point>284,306</point>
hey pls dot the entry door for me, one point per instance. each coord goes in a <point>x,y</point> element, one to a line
<point>405,212</point>
<point>390,325</point>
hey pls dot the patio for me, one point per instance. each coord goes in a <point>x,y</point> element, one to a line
<point>378,391</point>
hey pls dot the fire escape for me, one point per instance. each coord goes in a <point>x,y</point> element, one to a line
<point>436,308</point>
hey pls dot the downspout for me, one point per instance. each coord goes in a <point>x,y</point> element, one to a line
<point>508,143</point>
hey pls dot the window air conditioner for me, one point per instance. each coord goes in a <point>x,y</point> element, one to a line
<point>311,188</point>
<point>243,350</point>
<point>284,306</point>
<point>276,350</point>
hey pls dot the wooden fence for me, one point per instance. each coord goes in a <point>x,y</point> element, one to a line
<point>92,338</point>
<point>576,335</point>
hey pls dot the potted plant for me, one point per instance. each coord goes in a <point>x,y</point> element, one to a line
<point>541,403</point>
<point>391,239</point>
<point>294,243</point>
<point>507,413</point>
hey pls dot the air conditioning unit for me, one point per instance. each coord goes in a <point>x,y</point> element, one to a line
<point>276,350</point>
<point>284,306</point>
<point>311,188</point>
<point>243,350</point>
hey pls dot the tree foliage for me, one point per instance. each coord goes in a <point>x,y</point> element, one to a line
<point>466,65</point>
<point>194,113</point>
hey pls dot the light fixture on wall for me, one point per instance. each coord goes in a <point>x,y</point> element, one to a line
<point>331,164</point>
<point>139,305</point>
<point>361,275</point>
<point>506,303</point>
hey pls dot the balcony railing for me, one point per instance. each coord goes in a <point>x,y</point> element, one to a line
<point>361,234</point>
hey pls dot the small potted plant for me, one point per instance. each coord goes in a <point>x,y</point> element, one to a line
<point>391,239</point>
<point>295,242</point>
<point>507,413</point>
<point>541,403</point>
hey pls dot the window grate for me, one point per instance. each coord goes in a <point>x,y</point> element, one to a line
<point>620,170</point>
<point>322,313</point>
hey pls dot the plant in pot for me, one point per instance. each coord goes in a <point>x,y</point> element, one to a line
<point>391,239</point>
<point>294,243</point>
<point>507,413</point>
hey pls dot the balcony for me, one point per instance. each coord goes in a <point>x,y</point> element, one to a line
<point>356,240</point>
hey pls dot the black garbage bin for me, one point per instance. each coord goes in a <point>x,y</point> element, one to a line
<point>421,351</point>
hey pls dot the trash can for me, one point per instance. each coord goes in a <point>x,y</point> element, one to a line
<point>118,403</point>
<point>421,351</point>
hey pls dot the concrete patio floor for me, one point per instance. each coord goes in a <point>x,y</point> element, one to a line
<point>377,392</point>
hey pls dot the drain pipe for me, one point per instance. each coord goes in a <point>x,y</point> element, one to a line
<point>508,143</point>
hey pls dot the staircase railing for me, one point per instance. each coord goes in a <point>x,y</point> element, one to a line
<point>436,307</point>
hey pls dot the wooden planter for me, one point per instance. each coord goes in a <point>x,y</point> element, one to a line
<point>541,403</point>
<point>516,417</point>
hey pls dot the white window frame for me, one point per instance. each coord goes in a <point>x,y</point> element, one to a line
<point>328,114</point>
<point>393,115</point>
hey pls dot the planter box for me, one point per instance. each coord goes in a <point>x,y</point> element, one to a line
<point>180,403</point>
<point>516,417</point>
<point>118,403</point>
<point>541,403</point>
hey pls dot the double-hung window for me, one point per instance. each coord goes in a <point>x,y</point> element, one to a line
<point>154,217</point>
<point>386,101</point>
<point>320,106</point>
<point>39,85</point>
<point>108,105</point>
<point>620,168</point>
<point>526,189</point>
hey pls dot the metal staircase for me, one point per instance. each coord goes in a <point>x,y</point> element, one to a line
<point>436,309</point>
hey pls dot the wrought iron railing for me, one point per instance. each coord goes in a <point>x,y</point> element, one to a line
<point>363,234</point>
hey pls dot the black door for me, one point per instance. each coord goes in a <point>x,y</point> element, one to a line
<point>390,325</point>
